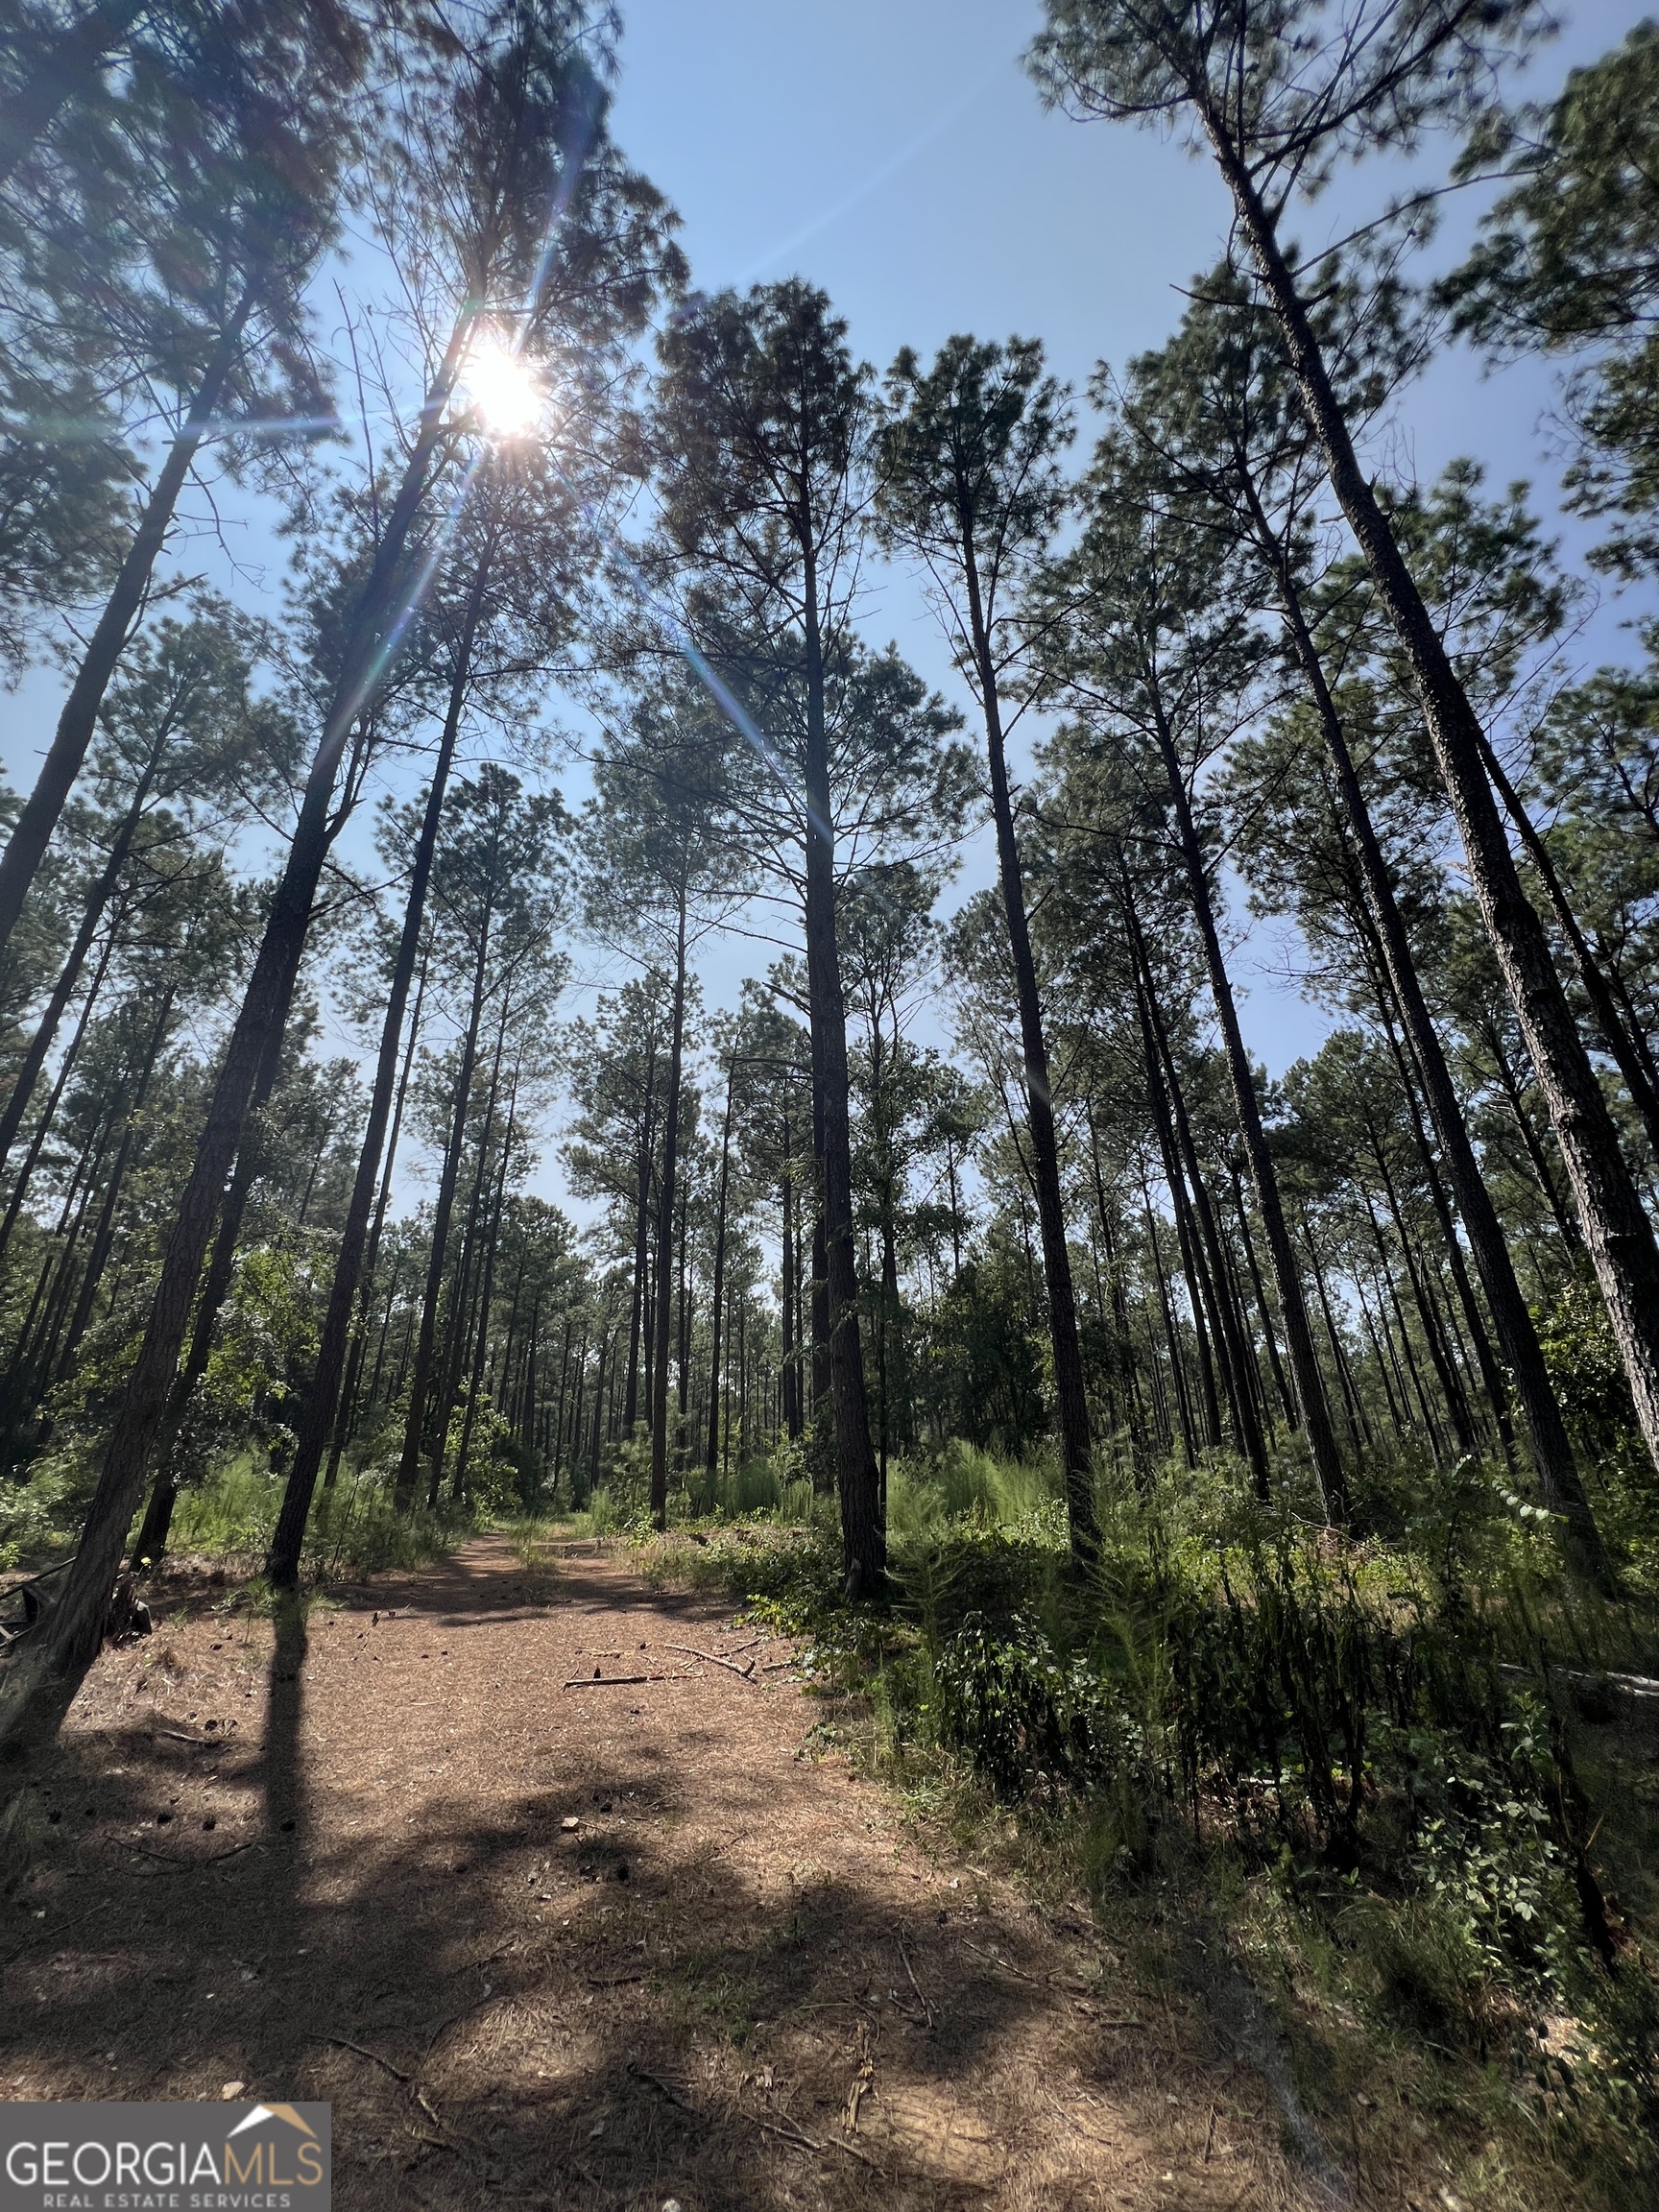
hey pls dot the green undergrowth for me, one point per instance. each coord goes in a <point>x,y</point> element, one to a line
<point>229,1517</point>
<point>1390,1790</point>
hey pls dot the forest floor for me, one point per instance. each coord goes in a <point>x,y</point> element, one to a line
<point>541,1942</point>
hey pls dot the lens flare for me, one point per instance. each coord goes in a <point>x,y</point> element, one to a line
<point>502,389</point>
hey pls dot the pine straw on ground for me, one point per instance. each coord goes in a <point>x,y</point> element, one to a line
<point>578,1946</point>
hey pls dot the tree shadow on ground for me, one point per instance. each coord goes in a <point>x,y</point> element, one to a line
<point>680,1995</point>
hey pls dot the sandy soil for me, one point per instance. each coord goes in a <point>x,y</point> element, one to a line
<point>553,1945</point>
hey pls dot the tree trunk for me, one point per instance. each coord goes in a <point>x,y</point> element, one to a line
<point>1229,1332</point>
<point>20,1188</point>
<point>1071,1398</point>
<point>863,1535</point>
<point>456,1333</point>
<point>665,1235</point>
<point>1625,1050</point>
<point>1292,1305</point>
<point>1558,1478</point>
<point>486,1291</point>
<point>712,1459</point>
<point>323,1400</point>
<point>1616,1229</point>
<point>26,848</point>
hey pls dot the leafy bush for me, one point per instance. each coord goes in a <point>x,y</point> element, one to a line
<point>1020,1712</point>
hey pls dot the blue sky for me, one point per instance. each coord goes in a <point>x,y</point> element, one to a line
<point>894,153</point>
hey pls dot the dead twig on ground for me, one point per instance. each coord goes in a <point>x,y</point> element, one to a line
<point>920,1999</point>
<point>345,2043</point>
<point>609,1681</point>
<point>213,1858</point>
<point>792,2134</point>
<point>713,1658</point>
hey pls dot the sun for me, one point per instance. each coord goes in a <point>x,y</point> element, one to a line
<point>503,389</point>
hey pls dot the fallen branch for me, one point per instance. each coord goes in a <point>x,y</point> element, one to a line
<point>362,2051</point>
<point>914,1984</point>
<point>213,1858</point>
<point>713,1658</point>
<point>799,2135</point>
<point>609,1681</point>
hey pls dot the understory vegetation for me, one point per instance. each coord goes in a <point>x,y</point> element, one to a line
<point>1399,1790</point>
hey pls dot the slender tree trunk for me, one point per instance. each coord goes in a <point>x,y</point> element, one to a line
<point>25,1174</point>
<point>152,1541</point>
<point>712,1458</point>
<point>40,1044</point>
<point>666,1233</point>
<point>425,1344</point>
<point>1225,1318</point>
<point>1292,1305</point>
<point>791,1363</point>
<point>104,1234</point>
<point>641,1234</point>
<point>1615,1225</point>
<point>322,1401</point>
<point>348,1412</point>
<point>1071,1398</point>
<point>26,847</point>
<point>1183,1405</point>
<point>1621,1044</point>
<point>456,1333</point>
<point>43,1670</point>
<point>486,1292</point>
<point>863,1535</point>
<point>1558,1477</point>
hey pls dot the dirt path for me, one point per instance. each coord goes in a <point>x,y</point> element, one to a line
<point>597,1947</point>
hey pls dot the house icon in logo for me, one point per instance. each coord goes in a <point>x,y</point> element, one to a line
<point>259,2112</point>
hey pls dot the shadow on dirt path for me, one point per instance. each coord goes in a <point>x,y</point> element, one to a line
<point>545,1935</point>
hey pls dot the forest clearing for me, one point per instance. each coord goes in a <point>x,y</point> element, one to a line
<point>829,1095</point>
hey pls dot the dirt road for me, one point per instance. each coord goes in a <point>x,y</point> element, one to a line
<point>609,1947</point>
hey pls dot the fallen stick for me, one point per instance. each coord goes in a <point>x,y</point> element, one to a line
<point>799,2135</point>
<point>926,2008</point>
<point>713,1658</point>
<point>606,1681</point>
<point>214,1858</point>
<point>362,2051</point>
